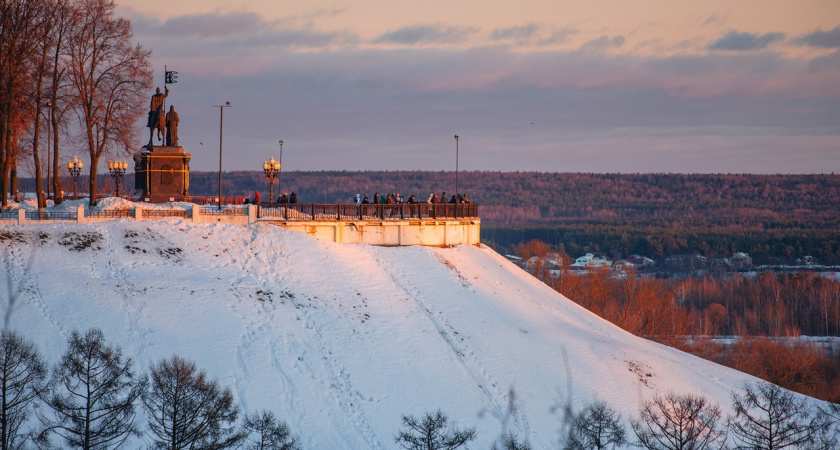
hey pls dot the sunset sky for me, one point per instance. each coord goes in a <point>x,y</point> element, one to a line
<point>547,85</point>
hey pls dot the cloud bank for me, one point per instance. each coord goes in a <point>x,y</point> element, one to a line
<point>394,101</point>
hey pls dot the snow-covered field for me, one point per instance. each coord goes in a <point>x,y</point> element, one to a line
<point>340,341</point>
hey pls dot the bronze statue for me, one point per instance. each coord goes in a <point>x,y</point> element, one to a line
<point>157,119</point>
<point>172,127</point>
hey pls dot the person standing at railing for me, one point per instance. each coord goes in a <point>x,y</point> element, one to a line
<point>376,198</point>
<point>357,199</point>
<point>256,198</point>
<point>365,201</point>
<point>412,200</point>
<point>293,198</point>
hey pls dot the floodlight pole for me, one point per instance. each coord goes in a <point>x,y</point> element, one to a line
<point>221,127</point>
<point>456,167</point>
<point>280,171</point>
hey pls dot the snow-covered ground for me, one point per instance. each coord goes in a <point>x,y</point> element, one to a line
<point>340,341</point>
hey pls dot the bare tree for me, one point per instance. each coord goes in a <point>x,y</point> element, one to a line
<point>109,76</point>
<point>679,422</point>
<point>186,411</point>
<point>596,427</point>
<point>92,393</point>
<point>20,22</point>
<point>60,98</point>
<point>510,441</point>
<point>769,417</point>
<point>37,93</point>
<point>22,374</point>
<point>264,432</point>
<point>432,433</point>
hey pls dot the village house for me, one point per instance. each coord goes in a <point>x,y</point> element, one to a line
<point>591,260</point>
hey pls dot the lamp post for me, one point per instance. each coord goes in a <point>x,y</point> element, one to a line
<point>221,125</point>
<point>117,170</point>
<point>280,170</point>
<point>75,168</point>
<point>456,167</point>
<point>271,168</point>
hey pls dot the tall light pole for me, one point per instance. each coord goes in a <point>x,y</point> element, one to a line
<point>280,170</point>
<point>221,125</point>
<point>456,167</point>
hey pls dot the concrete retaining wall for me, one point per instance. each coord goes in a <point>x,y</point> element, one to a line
<point>434,233</point>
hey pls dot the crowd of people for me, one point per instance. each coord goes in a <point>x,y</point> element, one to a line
<point>397,199</point>
<point>384,199</point>
<point>283,198</point>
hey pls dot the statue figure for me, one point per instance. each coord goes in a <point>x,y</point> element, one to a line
<point>172,127</point>
<point>157,119</point>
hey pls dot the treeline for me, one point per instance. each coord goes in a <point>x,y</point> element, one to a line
<point>765,418</point>
<point>69,73</point>
<point>780,241</point>
<point>775,218</point>
<point>528,197</point>
<point>686,313</point>
<point>90,398</point>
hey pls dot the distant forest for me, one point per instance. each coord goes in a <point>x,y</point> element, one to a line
<point>774,218</point>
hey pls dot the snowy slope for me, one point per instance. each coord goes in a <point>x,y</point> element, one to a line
<point>341,340</point>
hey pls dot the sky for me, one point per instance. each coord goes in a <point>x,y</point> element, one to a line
<point>696,86</point>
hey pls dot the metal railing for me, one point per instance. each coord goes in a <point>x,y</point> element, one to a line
<point>164,213</point>
<point>314,211</point>
<point>50,215</point>
<point>9,215</point>
<point>197,199</point>
<point>110,214</point>
<point>227,211</point>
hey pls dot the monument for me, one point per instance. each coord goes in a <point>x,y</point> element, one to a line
<point>164,169</point>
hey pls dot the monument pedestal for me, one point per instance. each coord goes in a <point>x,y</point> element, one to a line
<point>162,171</point>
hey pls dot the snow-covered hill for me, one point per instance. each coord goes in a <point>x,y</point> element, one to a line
<point>341,340</point>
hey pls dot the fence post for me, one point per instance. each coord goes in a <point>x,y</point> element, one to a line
<point>138,212</point>
<point>21,216</point>
<point>196,212</point>
<point>253,215</point>
<point>80,214</point>
<point>313,211</point>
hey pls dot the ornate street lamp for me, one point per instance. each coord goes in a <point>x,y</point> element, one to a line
<point>271,168</point>
<point>75,168</point>
<point>117,170</point>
